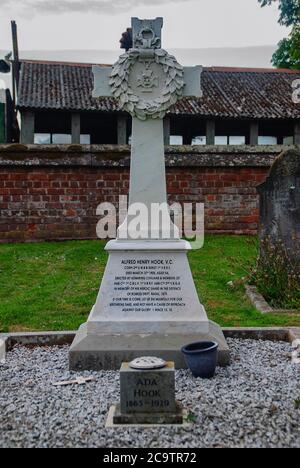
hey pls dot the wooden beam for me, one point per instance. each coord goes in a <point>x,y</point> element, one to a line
<point>27,127</point>
<point>13,84</point>
<point>122,130</point>
<point>76,130</point>
<point>167,130</point>
<point>16,59</point>
<point>210,132</point>
<point>254,132</point>
<point>297,133</point>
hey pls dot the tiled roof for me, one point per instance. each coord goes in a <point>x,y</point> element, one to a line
<point>228,92</point>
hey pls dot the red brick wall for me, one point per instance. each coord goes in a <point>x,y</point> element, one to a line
<point>55,196</point>
<point>229,195</point>
<point>44,203</point>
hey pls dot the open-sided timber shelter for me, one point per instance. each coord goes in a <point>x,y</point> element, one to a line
<point>239,106</point>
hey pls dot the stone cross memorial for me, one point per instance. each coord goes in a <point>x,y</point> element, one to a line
<point>147,303</point>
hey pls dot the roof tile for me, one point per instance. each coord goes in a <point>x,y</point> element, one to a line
<point>228,93</point>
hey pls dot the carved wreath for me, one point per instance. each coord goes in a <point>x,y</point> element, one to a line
<point>138,106</point>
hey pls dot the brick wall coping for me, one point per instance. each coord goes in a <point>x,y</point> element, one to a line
<point>118,156</point>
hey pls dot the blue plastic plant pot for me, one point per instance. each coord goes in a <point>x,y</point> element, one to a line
<point>201,358</point>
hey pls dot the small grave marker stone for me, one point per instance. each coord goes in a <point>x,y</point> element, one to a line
<point>147,396</point>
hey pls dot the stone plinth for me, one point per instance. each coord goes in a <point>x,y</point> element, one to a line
<point>107,352</point>
<point>148,418</point>
<point>147,305</point>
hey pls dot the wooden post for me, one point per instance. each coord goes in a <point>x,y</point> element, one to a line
<point>187,138</point>
<point>167,131</point>
<point>27,127</point>
<point>75,124</point>
<point>3,116</point>
<point>210,132</point>
<point>254,131</point>
<point>122,130</point>
<point>9,118</point>
<point>16,60</point>
<point>297,133</point>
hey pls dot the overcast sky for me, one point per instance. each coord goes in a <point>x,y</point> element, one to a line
<point>98,24</point>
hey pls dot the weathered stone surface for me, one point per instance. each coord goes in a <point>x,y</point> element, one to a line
<point>62,338</point>
<point>258,300</point>
<point>58,338</point>
<point>150,391</point>
<point>147,396</point>
<point>280,203</point>
<point>118,155</point>
<point>154,26</point>
<point>2,350</point>
<point>109,351</point>
<point>287,164</point>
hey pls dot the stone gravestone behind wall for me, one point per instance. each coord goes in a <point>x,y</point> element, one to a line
<point>280,204</point>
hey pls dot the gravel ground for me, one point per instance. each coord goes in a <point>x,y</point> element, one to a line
<point>249,404</point>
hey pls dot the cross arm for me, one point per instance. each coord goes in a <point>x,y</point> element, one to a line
<point>101,81</point>
<point>192,79</point>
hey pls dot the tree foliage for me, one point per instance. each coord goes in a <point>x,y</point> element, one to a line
<point>288,52</point>
<point>289,11</point>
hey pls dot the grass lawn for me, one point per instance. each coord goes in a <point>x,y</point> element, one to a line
<point>52,286</point>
